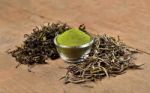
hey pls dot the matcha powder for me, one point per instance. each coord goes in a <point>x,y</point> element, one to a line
<point>73,37</point>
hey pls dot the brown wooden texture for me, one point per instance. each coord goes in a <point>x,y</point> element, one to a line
<point>128,18</point>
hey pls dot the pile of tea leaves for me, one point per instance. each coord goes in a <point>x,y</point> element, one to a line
<point>39,45</point>
<point>108,57</point>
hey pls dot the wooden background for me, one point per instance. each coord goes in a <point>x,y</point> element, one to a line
<point>128,18</point>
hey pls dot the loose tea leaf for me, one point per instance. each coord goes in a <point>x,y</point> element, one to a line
<point>39,46</point>
<point>108,57</point>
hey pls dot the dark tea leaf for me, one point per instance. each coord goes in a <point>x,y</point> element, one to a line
<point>39,46</point>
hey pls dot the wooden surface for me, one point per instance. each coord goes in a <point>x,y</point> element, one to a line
<point>128,18</point>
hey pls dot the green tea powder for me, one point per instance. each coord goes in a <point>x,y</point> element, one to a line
<point>73,37</point>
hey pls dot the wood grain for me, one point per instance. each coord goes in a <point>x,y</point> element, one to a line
<point>128,18</point>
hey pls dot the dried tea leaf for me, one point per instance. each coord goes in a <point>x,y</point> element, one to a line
<point>108,57</point>
<point>39,46</point>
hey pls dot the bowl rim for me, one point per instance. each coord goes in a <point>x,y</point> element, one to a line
<point>81,46</point>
